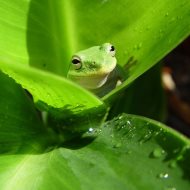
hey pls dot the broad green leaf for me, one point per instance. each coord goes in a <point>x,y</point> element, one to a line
<point>129,153</point>
<point>70,107</point>
<point>142,31</point>
<point>13,32</point>
<point>21,128</point>
<point>57,92</point>
<point>46,33</point>
<point>153,29</point>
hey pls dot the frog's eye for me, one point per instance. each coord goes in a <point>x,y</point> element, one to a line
<point>76,61</point>
<point>112,50</point>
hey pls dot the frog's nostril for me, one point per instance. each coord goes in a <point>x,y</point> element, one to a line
<point>93,65</point>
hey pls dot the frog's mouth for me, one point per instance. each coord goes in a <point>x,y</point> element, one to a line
<point>94,79</point>
<point>91,81</point>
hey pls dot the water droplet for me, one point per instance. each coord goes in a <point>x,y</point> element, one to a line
<point>156,133</point>
<point>175,151</point>
<point>158,152</point>
<point>139,46</point>
<point>122,122</point>
<point>128,152</point>
<point>183,3</point>
<point>120,117</point>
<point>98,131</point>
<point>90,130</point>
<point>170,188</point>
<point>173,164</point>
<point>117,145</point>
<point>148,136</point>
<point>93,132</point>
<point>104,1</point>
<point>179,17</point>
<point>161,31</point>
<point>172,19</point>
<point>147,28</point>
<point>163,175</point>
<point>180,157</point>
<point>166,15</point>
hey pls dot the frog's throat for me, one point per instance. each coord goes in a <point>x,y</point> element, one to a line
<point>92,81</point>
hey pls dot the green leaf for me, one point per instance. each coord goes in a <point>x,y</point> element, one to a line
<point>66,102</point>
<point>21,127</point>
<point>129,153</point>
<point>13,33</point>
<point>45,34</point>
<point>71,109</point>
<point>55,91</point>
<point>147,33</point>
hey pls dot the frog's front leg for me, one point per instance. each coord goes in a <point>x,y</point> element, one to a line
<point>124,70</point>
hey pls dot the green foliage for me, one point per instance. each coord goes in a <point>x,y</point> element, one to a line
<point>73,147</point>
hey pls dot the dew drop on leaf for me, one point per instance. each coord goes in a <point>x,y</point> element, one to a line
<point>128,122</point>
<point>120,117</point>
<point>163,175</point>
<point>158,152</point>
<point>166,15</point>
<point>147,28</point>
<point>173,164</point>
<point>139,46</point>
<point>117,145</point>
<point>90,130</point>
<point>170,188</point>
<point>146,137</point>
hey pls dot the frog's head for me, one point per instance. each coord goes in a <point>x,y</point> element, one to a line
<point>91,67</point>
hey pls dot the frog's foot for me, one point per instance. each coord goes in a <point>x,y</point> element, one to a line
<point>119,82</point>
<point>130,63</point>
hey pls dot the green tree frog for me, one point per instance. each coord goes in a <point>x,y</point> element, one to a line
<point>95,69</point>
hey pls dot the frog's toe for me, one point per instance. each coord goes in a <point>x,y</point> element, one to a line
<point>119,82</point>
